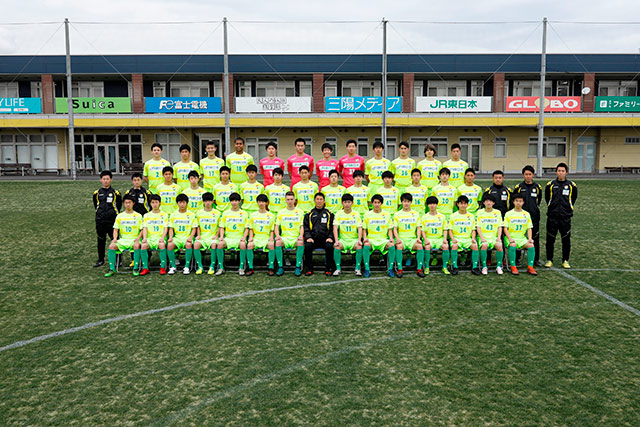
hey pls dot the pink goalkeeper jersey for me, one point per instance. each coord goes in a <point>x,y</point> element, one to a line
<point>293,164</point>
<point>267,166</point>
<point>323,167</point>
<point>347,166</point>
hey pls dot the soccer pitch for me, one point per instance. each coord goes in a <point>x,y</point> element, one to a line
<point>560,348</point>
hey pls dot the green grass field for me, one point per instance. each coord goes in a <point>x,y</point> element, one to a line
<point>440,350</point>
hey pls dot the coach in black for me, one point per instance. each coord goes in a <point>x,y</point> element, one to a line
<point>501,192</point>
<point>318,229</point>
<point>560,196</point>
<point>107,202</point>
<point>532,193</point>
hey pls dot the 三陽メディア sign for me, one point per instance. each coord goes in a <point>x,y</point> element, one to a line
<point>361,104</point>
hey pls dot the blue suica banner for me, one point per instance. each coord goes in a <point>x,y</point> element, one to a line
<point>20,106</point>
<point>361,104</point>
<point>183,105</point>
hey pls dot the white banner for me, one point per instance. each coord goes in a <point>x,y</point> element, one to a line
<point>274,104</point>
<point>454,104</point>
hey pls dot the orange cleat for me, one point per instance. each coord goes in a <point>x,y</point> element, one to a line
<point>532,271</point>
<point>514,270</point>
<point>144,271</point>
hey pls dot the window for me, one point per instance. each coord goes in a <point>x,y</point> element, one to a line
<point>306,88</point>
<point>9,90</point>
<point>36,89</point>
<point>418,87</point>
<point>333,141</point>
<point>257,147</point>
<point>563,88</point>
<point>361,88</point>
<point>554,146</point>
<point>307,147</point>
<point>218,89</point>
<point>39,150</point>
<point>244,89</point>
<point>390,152</point>
<point>87,89</point>
<point>275,88</point>
<point>363,147</point>
<point>170,146</point>
<point>617,88</point>
<point>189,89</point>
<point>477,88</point>
<point>418,144</point>
<point>500,147</point>
<point>159,89</point>
<point>530,88</point>
<point>331,88</point>
<point>632,140</point>
<point>447,88</point>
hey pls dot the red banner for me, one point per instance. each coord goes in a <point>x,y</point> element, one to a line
<point>531,104</point>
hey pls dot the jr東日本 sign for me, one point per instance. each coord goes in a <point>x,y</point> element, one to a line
<point>274,104</point>
<point>95,105</point>
<point>552,104</point>
<point>183,105</point>
<point>361,104</point>
<point>463,104</point>
<point>617,103</point>
<point>20,106</point>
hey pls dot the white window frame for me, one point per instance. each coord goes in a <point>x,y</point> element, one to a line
<point>363,141</point>
<point>170,145</point>
<point>86,89</point>
<point>277,88</point>
<point>244,89</point>
<point>392,145</point>
<point>447,88</point>
<point>563,84</point>
<point>257,146</point>
<point>632,140</point>
<point>306,88</point>
<point>418,88</point>
<point>196,89</point>
<point>617,88</point>
<point>9,90</point>
<point>333,141</point>
<point>477,88</point>
<point>36,89</point>
<point>499,147</point>
<point>549,144</point>
<point>159,89</point>
<point>421,142</point>
<point>531,88</point>
<point>11,143</point>
<point>218,89</point>
<point>331,88</point>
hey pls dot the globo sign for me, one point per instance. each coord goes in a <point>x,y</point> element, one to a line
<point>552,104</point>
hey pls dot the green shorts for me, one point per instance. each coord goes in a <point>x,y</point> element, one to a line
<point>520,242</point>
<point>180,242</point>
<point>125,244</point>
<point>154,242</point>
<point>349,245</point>
<point>232,242</point>
<point>436,243</point>
<point>491,243</point>
<point>379,245</point>
<point>464,244</point>
<point>408,243</point>
<point>261,242</point>
<point>208,242</point>
<point>289,242</point>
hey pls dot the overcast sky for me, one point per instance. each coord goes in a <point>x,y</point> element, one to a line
<point>352,38</point>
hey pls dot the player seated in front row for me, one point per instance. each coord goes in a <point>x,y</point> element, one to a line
<point>126,235</point>
<point>207,220</point>
<point>233,233</point>
<point>408,234</point>
<point>260,226</point>
<point>518,232</point>
<point>489,228</point>
<point>462,233</point>
<point>434,232</point>
<point>347,234</point>
<point>289,234</point>
<point>377,235</point>
<point>154,233</point>
<point>182,229</point>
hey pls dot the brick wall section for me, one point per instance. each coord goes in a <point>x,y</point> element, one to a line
<point>498,93</point>
<point>318,93</point>
<point>137,94</point>
<point>407,92</point>
<point>588,101</point>
<point>48,94</point>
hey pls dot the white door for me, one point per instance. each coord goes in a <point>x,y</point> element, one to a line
<point>37,157</point>
<point>586,157</point>
<point>470,153</point>
<point>51,156</point>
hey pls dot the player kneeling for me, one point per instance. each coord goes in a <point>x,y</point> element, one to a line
<point>126,235</point>
<point>233,233</point>
<point>518,232</point>
<point>347,234</point>
<point>489,229</point>
<point>207,220</point>
<point>434,231</point>
<point>260,226</point>
<point>182,229</point>
<point>408,232</point>
<point>289,234</point>
<point>377,233</point>
<point>154,234</point>
<point>463,235</point>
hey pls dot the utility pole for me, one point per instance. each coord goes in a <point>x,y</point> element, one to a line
<point>384,84</point>
<point>543,74</point>
<point>72,147</point>
<point>227,126</point>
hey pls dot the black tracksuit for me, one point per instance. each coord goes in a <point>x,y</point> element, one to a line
<point>107,202</point>
<point>141,195</point>
<point>532,194</point>
<point>318,225</point>
<point>560,197</point>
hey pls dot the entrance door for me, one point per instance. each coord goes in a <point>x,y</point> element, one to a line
<point>107,159</point>
<point>586,157</point>
<point>470,152</point>
<point>217,140</point>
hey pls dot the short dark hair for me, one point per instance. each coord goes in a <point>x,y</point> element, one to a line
<point>351,141</point>
<point>387,174</point>
<point>517,196</point>
<point>167,169</point>
<point>403,144</point>
<point>224,169</point>
<point>129,197</point>
<point>378,144</point>
<point>194,173</point>
<point>347,198</point>
<point>136,175</point>
<point>251,168</point>
<point>378,198</point>
<point>210,142</point>
<point>416,170</point>
<point>239,138</point>
<point>358,173</point>
<point>326,145</point>
<point>528,168</point>
<point>455,145</point>
<point>207,197</point>
<point>470,170</point>
<point>444,170</point>
<point>406,196</point>
<point>185,147</point>
<point>156,197</point>
<point>156,144</point>
<point>278,171</point>
<point>431,200</point>
<point>182,198</point>
<point>462,199</point>
<point>262,198</point>
<point>318,194</point>
<point>234,197</point>
<point>497,172</point>
<point>562,165</point>
<point>272,144</point>
<point>299,140</point>
<point>303,168</point>
<point>106,173</point>
<point>289,193</point>
<point>488,196</point>
<point>332,171</point>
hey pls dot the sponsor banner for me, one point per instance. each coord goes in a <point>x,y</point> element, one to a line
<point>95,105</point>
<point>20,106</point>
<point>531,104</point>
<point>617,103</point>
<point>183,105</point>
<point>361,104</point>
<point>274,104</point>
<point>458,104</point>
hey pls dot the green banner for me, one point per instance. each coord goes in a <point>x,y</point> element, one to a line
<point>617,103</point>
<point>95,105</point>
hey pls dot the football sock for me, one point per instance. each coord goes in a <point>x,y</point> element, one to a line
<point>220,256</point>
<point>172,257</point>
<point>280,256</point>
<point>483,257</point>
<point>337,256</point>
<point>111,256</point>
<point>272,258</point>
<point>454,258</point>
<point>163,258</point>
<point>474,258</point>
<point>250,259</point>
<point>366,256</point>
<point>531,256</point>
<point>197,254</point>
<point>145,258</point>
<point>512,256</point>
<point>358,258</point>
<point>299,255</point>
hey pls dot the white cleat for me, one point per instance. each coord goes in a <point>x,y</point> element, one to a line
<point>219,272</point>
<point>172,270</point>
<point>485,271</point>
<point>499,270</point>
<point>358,273</point>
<point>336,273</point>
<point>186,271</point>
<point>241,272</point>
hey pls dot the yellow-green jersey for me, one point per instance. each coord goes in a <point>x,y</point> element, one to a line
<point>261,224</point>
<point>290,222</point>
<point>401,169</point>
<point>377,225</point>
<point>276,194</point>
<point>128,225</point>
<point>207,221</point>
<point>234,223</point>
<point>210,172</point>
<point>238,164</point>
<point>182,223</point>
<point>419,194</point>
<point>474,194</point>
<point>434,226</point>
<point>489,223</point>
<point>457,169</point>
<point>462,225</point>
<point>153,171</point>
<point>304,192</point>
<point>360,198</point>
<point>168,194</point>
<point>181,173</point>
<point>333,198</point>
<point>517,223</point>
<point>407,223</point>
<point>195,198</point>
<point>347,224</point>
<point>249,192</point>
<point>374,168</point>
<point>446,198</point>
<point>221,193</point>
<point>429,170</point>
<point>155,223</point>
<point>391,199</point>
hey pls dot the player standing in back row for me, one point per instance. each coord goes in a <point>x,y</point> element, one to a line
<point>350,163</point>
<point>299,158</point>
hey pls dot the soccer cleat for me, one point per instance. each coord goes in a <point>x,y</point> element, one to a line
<point>219,272</point>
<point>336,273</point>
<point>358,273</point>
<point>485,271</point>
<point>241,272</point>
<point>426,271</point>
<point>163,271</point>
<point>565,265</point>
<point>280,271</point>
<point>99,263</point>
<point>499,271</point>
<point>136,273</point>
<point>250,272</point>
<point>532,271</point>
<point>446,271</point>
<point>172,270</point>
<point>211,271</point>
<point>109,273</point>
<point>454,271</point>
<point>476,271</point>
<point>144,271</point>
<point>132,264</point>
<point>270,272</point>
<point>199,271</point>
<point>186,271</point>
<point>309,273</point>
<point>548,264</point>
<point>366,274</point>
<point>420,273</point>
<point>514,270</point>
<point>327,273</point>
<point>390,273</point>
<point>399,274</point>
